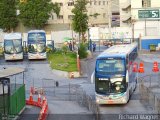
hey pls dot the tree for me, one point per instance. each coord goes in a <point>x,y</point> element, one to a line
<point>35,13</point>
<point>8,19</point>
<point>80,18</point>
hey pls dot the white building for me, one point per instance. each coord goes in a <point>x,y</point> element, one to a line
<point>99,7</point>
<point>141,15</point>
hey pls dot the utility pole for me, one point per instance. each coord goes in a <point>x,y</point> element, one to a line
<point>109,18</point>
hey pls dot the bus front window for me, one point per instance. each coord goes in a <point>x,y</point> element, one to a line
<point>118,85</point>
<point>110,66</point>
<point>12,46</point>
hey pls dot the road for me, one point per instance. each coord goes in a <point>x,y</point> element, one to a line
<point>39,74</point>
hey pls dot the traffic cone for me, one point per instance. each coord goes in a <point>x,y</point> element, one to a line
<point>30,97</point>
<point>141,67</point>
<point>72,75</point>
<point>155,67</point>
<point>44,99</point>
<point>39,99</point>
<point>32,90</point>
<point>135,67</point>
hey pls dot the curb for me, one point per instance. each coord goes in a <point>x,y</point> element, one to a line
<point>65,74</point>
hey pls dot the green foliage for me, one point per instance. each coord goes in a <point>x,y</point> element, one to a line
<point>8,19</point>
<point>57,61</point>
<point>35,13</point>
<point>64,49</point>
<point>82,51</point>
<point>80,18</point>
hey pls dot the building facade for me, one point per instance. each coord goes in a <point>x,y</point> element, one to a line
<point>143,16</point>
<point>98,11</point>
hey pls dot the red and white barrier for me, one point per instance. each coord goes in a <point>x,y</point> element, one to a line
<point>39,103</point>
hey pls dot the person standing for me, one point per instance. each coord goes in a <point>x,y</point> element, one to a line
<point>94,47</point>
<point>70,46</point>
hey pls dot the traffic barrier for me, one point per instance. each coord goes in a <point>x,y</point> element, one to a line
<point>39,99</point>
<point>155,67</point>
<point>141,67</point>
<point>31,97</point>
<point>135,67</point>
<point>32,90</point>
<point>39,103</point>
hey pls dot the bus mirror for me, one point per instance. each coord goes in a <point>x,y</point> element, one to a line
<point>93,78</point>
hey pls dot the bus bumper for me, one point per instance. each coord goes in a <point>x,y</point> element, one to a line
<point>37,56</point>
<point>103,100</point>
<point>13,56</point>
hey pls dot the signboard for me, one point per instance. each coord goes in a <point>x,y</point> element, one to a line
<point>149,13</point>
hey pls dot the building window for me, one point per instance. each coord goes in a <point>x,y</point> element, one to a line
<point>60,17</point>
<point>99,2</point>
<point>60,4</point>
<point>71,3</point>
<point>95,2</point>
<point>146,3</point>
<point>104,2</point>
<point>104,15</point>
<point>70,17</point>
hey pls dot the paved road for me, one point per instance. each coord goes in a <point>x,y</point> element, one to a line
<point>39,74</point>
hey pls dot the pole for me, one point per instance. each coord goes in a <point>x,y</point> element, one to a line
<point>3,100</point>
<point>145,28</point>
<point>109,18</point>
<point>132,30</point>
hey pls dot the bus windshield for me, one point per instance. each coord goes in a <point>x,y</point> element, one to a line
<point>112,85</point>
<point>36,42</point>
<point>13,46</point>
<point>111,66</point>
<point>38,47</point>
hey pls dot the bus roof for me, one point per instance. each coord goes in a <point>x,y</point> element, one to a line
<point>36,31</point>
<point>118,50</point>
<point>11,36</point>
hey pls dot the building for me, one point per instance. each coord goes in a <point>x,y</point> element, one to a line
<point>100,16</point>
<point>142,15</point>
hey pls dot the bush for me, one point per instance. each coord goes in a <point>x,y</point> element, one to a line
<point>82,51</point>
<point>64,49</point>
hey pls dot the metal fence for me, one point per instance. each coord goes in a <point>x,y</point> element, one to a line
<point>71,92</point>
<point>88,101</point>
<point>102,44</point>
<point>149,87</point>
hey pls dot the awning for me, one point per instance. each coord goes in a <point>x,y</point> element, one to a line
<point>67,38</point>
<point>10,71</point>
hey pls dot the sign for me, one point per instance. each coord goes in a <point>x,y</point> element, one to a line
<point>148,13</point>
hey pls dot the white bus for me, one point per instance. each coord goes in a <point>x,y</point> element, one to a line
<point>114,79</point>
<point>36,42</point>
<point>13,49</point>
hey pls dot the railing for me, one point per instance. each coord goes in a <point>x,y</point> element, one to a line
<point>87,101</point>
<point>149,87</point>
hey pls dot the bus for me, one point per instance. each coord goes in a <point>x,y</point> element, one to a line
<point>13,49</point>
<point>113,76</point>
<point>36,42</point>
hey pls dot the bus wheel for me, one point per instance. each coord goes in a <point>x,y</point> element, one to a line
<point>129,97</point>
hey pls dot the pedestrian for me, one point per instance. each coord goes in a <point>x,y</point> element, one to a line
<point>70,46</point>
<point>94,47</point>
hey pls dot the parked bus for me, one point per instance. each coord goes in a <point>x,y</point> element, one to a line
<point>114,79</point>
<point>13,49</point>
<point>36,42</point>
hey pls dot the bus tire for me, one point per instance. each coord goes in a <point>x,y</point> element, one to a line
<point>129,97</point>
